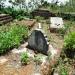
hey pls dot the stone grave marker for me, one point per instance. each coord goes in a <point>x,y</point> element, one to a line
<point>38,42</point>
<point>56,23</point>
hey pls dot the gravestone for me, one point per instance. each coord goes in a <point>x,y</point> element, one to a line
<point>37,42</point>
<point>56,23</point>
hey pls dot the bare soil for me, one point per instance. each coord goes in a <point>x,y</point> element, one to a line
<point>13,65</point>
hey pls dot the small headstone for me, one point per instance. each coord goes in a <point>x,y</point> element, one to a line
<point>56,23</point>
<point>37,42</point>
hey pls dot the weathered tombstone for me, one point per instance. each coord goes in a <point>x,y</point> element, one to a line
<point>37,42</point>
<point>56,23</point>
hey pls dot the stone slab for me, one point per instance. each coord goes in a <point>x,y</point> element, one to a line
<point>56,22</point>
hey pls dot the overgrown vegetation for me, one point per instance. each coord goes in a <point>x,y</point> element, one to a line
<point>38,18</point>
<point>65,11</point>
<point>12,36</point>
<point>63,70</point>
<point>16,14</point>
<point>24,58</point>
<point>69,44</point>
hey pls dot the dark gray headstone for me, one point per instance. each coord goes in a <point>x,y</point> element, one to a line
<point>37,42</point>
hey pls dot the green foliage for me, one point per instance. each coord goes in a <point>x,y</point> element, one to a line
<point>70,41</point>
<point>24,58</point>
<point>16,14</point>
<point>69,45</point>
<point>38,18</point>
<point>63,70</point>
<point>19,17</point>
<point>64,30</point>
<point>45,4</point>
<point>12,36</point>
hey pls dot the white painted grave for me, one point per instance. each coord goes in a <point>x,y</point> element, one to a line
<point>56,22</point>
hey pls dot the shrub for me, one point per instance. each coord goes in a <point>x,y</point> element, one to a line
<point>12,36</point>
<point>24,58</point>
<point>69,44</point>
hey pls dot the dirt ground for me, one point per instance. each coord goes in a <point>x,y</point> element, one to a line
<point>13,65</point>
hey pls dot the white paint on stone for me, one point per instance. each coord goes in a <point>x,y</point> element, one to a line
<point>24,45</point>
<point>16,51</point>
<point>44,59</point>
<point>31,55</point>
<point>56,74</point>
<point>22,50</point>
<point>3,60</point>
<point>52,50</point>
<point>48,43</point>
<point>37,74</point>
<point>56,22</point>
<point>40,27</point>
<point>40,30</point>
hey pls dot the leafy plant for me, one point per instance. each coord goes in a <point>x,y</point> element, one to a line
<point>12,36</point>
<point>24,58</point>
<point>63,70</point>
<point>69,44</point>
<point>70,41</point>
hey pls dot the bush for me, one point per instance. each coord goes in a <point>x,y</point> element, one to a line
<point>69,44</point>
<point>24,58</point>
<point>12,36</point>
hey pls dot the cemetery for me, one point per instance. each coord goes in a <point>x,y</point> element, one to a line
<point>39,42</point>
